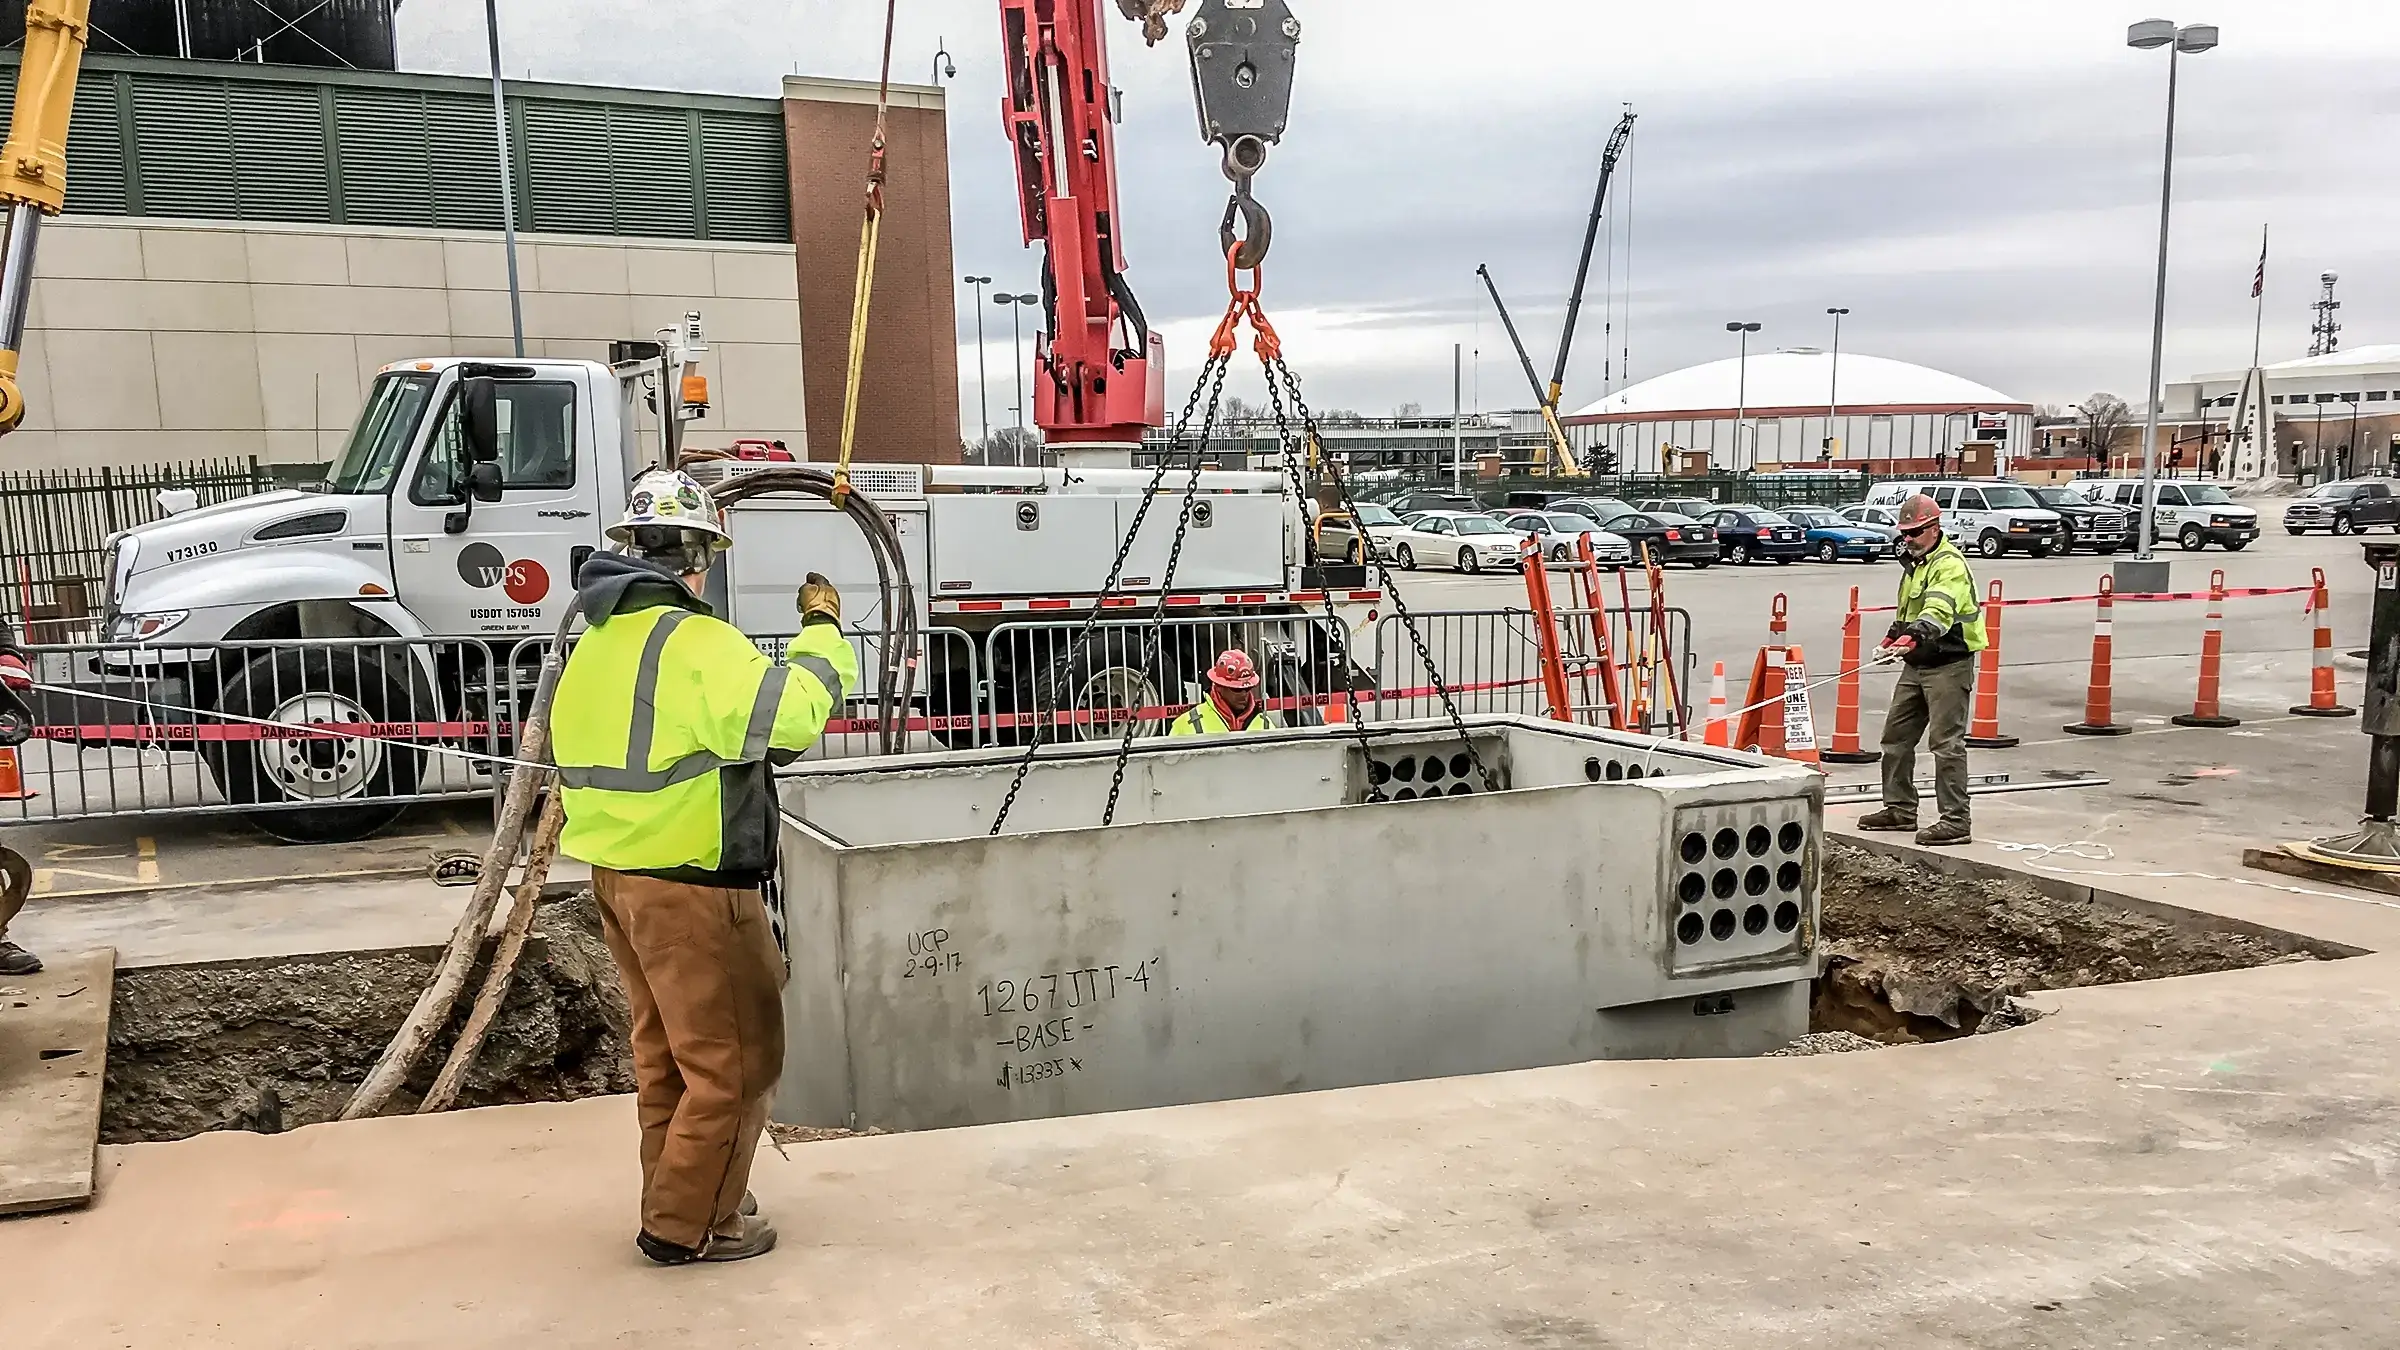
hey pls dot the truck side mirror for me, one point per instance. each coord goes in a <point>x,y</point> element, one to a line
<point>479,418</point>
<point>483,481</point>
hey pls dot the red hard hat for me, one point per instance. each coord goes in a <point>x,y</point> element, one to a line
<point>1918,512</point>
<point>1234,670</point>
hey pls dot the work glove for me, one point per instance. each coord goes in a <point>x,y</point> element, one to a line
<point>14,672</point>
<point>819,601</point>
<point>1896,647</point>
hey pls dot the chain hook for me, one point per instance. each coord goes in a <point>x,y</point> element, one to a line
<point>1257,232</point>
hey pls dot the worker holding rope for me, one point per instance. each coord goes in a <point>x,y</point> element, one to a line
<point>664,724</point>
<point>1935,636</point>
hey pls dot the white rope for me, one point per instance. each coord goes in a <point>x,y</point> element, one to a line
<point>312,732</point>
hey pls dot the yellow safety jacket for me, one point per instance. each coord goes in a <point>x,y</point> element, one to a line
<point>1205,719</point>
<point>1939,607</point>
<point>662,728</point>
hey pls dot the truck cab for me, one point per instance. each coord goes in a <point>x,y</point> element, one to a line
<point>419,585</point>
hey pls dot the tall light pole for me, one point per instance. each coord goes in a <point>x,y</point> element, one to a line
<point>1016,310</point>
<point>2194,39</point>
<point>1742,396</point>
<point>1833,382</point>
<point>983,393</point>
<point>508,192</point>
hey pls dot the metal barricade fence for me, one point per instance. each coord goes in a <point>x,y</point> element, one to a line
<point>1039,675</point>
<point>1491,662</point>
<point>127,730</point>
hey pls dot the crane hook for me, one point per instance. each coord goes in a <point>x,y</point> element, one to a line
<point>1248,248</point>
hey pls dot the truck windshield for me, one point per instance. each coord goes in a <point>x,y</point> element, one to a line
<point>380,441</point>
<point>2007,497</point>
<point>2205,494</point>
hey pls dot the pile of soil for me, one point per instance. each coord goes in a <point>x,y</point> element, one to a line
<point>268,1045</point>
<point>1912,954</point>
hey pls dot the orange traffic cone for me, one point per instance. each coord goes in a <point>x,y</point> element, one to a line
<point>1846,749</point>
<point>2098,717</point>
<point>12,778</point>
<point>1717,732</point>
<point>2205,712</point>
<point>1799,719</point>
<point>1984,732</point>
<point>2322,700</point>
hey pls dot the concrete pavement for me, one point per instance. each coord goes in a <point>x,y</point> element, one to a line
<point>2194,1162</point>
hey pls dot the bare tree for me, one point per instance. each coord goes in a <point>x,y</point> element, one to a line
<point>1408,410</point>
<point>1008,446</point>
<point>2105,417</point>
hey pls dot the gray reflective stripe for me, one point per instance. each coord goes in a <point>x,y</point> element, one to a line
<point>756,740</point>
<point>684,770</point>
<point>826,675</point>
<point>645,692</point>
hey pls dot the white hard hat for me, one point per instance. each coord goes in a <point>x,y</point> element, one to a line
<point>670,499</point>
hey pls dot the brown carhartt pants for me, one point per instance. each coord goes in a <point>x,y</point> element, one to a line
<point>705,986</point>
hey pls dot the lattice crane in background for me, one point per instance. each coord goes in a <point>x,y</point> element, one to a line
<point>1560,458</point>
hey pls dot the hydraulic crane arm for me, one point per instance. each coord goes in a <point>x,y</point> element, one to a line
<point>33,169</point>
<point>1100,372</point>
<point>1559,457</point>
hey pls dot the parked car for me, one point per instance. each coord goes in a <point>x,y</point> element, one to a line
<point>1420,500</point>
<point>1459,540</point>
<point>1833,539</point>
<point>2344,508</point>
<point>1668,537</point>
<point>1598,508</point>
<point>1992,516</point>
<point>1337,538</point>
<point>2085,524</point>
<point>1747,532</point>
<point>2194,515</point>
<point>1558,531</point>
<point>1698,508</point>
<point>1883,520</point>
<point>1533,501</point>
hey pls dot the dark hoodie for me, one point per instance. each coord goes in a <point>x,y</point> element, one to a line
<point>616,583</point>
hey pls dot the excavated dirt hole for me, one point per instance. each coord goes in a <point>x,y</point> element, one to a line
<point>1912,954</point>
<point>269,1045</point>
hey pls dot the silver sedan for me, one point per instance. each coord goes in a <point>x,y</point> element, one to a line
<point>1558,531</point>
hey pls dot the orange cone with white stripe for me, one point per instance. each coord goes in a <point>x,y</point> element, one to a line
<point>2322,700</point>
<point>1984,731</point>
<point>12,778</point>
<point>1717,732</point>
<point>2205,710</point>
<point>1846,696</point>
<point>2098,693</point>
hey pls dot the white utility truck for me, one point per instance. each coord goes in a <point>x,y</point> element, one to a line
<point>466,543</point>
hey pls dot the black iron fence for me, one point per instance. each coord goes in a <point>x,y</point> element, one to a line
<point>55,524</point>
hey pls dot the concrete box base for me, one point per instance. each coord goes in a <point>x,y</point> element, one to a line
<point>1254,923</point>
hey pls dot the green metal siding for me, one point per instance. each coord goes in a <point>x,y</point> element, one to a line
<point>276,143</point>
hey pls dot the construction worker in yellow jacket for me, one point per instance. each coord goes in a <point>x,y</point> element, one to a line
<point>1936,634</point>
<point>664,726</point>
<point>1233,703</point>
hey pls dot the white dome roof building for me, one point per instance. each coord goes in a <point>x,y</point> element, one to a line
<point>1888,416</point>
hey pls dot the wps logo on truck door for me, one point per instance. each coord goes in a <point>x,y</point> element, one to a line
<point>483,567</point>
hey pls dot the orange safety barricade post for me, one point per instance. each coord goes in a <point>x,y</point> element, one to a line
<point>12,778</point>
<point>1984,732</point>
<point>1846,749</point>
<point>2205,712</point>
<point>1601,652</point>
<point>1716,731</point>
<point>1545,623</point>
<point>1777,628</point>
<point>2098,694</point>
<point>2322,700</point>
<point>1756,730</point>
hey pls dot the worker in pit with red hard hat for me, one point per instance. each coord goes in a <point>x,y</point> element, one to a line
<point>1233,703</point>
<point>1935,636</point>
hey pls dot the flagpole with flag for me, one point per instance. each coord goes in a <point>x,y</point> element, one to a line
<point>2258,292</point>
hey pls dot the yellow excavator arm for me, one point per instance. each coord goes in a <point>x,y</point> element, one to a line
<point>33,169</point>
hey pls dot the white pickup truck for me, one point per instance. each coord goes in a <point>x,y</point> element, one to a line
<point>413,536</point>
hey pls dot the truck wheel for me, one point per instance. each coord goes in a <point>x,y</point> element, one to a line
<point>2192,539</point>
<point>2342,524</point>
<point>1991,545</point>
<point>302,687</point>
<point>1106,685</point>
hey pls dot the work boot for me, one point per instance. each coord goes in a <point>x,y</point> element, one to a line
<point>1943,833</point>
<point>749,1202</point>
<point>15,960</point>
<point>1889,818</point>
<point>747,1236</point>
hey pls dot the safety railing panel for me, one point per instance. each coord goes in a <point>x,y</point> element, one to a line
<point>1490,661</point>
<point>1051,675</point>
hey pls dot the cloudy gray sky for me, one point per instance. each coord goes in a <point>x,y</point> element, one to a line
<point>1978,183</point>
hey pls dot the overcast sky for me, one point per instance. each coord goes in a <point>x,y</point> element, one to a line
<point>1977,183</point>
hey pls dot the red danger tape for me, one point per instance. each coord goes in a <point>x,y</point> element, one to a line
<point>2131,597</point>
